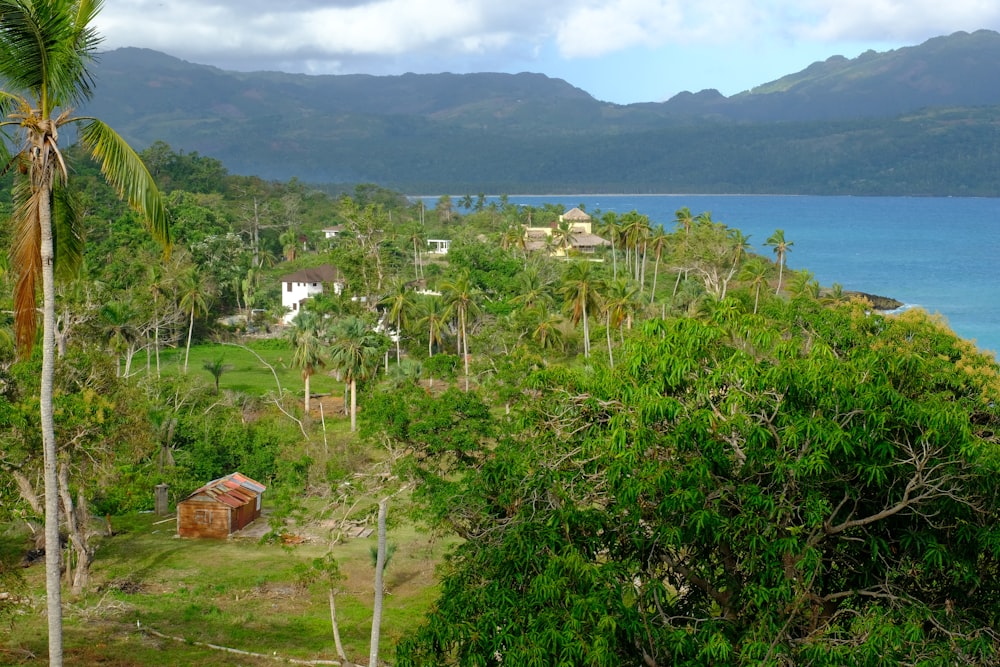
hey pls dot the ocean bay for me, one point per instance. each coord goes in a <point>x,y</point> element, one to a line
<point>936,253</point>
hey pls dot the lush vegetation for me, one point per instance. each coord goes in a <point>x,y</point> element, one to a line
<point>667,452</point>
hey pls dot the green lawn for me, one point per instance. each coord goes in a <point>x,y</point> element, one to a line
<point>244,371</point>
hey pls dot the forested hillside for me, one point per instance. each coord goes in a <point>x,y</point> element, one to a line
<point>915,121</point>
<point>667,452</point>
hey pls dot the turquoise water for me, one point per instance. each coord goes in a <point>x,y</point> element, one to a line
<point>935,253</point>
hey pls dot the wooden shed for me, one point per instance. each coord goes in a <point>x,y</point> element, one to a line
<point>220,508</point>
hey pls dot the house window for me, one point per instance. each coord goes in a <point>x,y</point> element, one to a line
<point>289,287</point>
<point>203,516</point>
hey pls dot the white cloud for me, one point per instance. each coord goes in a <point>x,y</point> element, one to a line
<point>385,35</point>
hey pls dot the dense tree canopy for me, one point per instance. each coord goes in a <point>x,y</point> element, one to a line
<point>814,487</point>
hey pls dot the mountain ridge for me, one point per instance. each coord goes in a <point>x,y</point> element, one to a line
<point>527,131</point>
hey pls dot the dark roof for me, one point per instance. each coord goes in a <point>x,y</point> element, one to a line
<point>233,490</point>
<point>317,274</point>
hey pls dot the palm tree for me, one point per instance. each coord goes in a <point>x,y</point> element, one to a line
<point>195,293</point>
<point>532,289</point>
<point>400,305</point>
<point>433,316</point>
<point>216,368</point>
<point>619,305</point>
<point>45,50</point>
<point>580,290</point>
<point>608,226</point>
<point>355,352</point>
<point>307,337</point>
<point>658,241</point>
<point>460,297</point>
<point>755,272</point>
<point>781,249</point>
<point>118,318</point>
<point>684,220</point>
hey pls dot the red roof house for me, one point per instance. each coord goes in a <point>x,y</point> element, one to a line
<point>220,508</point>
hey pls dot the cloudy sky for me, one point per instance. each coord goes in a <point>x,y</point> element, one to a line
<point>617,50</point>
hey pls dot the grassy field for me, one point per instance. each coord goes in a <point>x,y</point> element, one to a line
<point>244,372</point>
<point>238,593</point>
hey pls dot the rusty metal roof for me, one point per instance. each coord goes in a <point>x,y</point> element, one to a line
<point>233,490</point>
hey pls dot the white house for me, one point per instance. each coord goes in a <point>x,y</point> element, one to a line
<point>333,232</point>
<point>305,283</point>
<point>438,246</point>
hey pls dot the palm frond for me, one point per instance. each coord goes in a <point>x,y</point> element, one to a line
<point>67,230</point>
<point>45,50</point>
<point>26,256</point>
<point>126,173</point>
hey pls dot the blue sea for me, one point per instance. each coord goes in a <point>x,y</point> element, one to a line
<point>936,253</point>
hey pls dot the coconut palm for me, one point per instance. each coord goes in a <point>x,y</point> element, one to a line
<point>580,290</point>
<point>46,47</point>
<point>433,317</point>
<point>307,337</point>
<point>755,272</point>
<point>781,249</point>
<point>684,220</point>
<point>355,353</point>
<point>532,289</point>
<point>460,297</point>
<point>194,293</point>
<point>657,242</point>
<point>399,305</point>
<point>608,226</point>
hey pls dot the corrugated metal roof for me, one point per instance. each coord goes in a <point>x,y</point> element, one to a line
<point>233,490</point>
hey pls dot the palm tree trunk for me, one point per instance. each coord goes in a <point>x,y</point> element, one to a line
<point>187,350</point>
<point>465,355</point>
<point>53,592</point>
<point>379,566</point>
<point>305,377</point>
<point>611,357</point>
<point>586,333</point>
<point>354,404</point>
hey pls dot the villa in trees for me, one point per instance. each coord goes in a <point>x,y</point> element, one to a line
<point>306,283</point>
<point>578,228</point>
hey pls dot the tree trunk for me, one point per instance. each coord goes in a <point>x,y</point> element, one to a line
<point>305,377</point>
<point>586,334</point>
<point>187,350</point>
<point>77,520</point>
<point>379,566</point>
<point>611,356</point>
<point>53,591</point>
<point>336,629</point>
<point>354,404</point>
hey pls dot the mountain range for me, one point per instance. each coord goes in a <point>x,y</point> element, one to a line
<point>920,120</point>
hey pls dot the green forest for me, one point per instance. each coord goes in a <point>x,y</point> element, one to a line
<point>667,451</point>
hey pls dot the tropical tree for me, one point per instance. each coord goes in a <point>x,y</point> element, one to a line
<point>460,297</point>
<point>216,368</point>
<point>399,306</point>
<point>781,249</point>
<point>194,294</point>
<point>118,320</point>
<point>822,501</point>
<point>355,353</point>
<point>620,301</point>
<point>609,226</point>
<point>755,273</point>
<point>307,336</point>
<point>581,290</point>
<point>46,47</point>
<point>658,240</point>
<point>433,316</point>
<point>684,220</point>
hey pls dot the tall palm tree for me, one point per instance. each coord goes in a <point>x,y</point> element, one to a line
<point>194,294</point>
<point>460,296</point>
<point>781,249</point>
<point>620,303</point>
<point>684,220</point>
<point>581,295</point>
<point>399,305</point>
<point>307,337</point>
<point>433,316</point>
<point>755,272</point>
<point>532,289</point>
<point>657,242</point>
<point>46,47</point>
<point>355,352</point>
